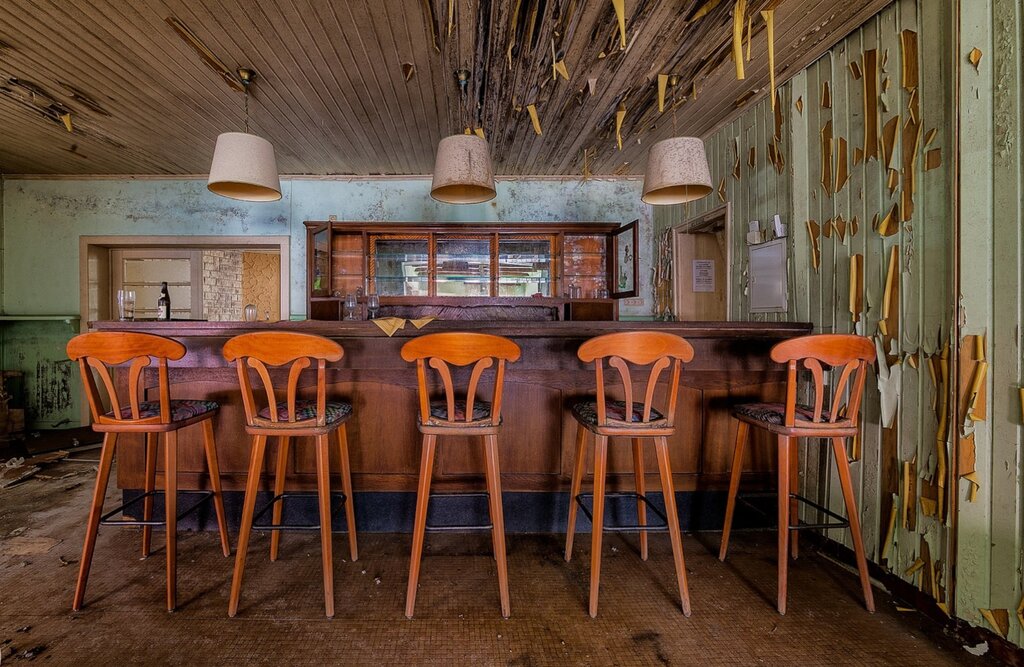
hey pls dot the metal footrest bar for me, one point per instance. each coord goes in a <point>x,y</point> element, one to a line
<point>296,526</point>
<point>434,528</point>
<point>841,521</point>
<point>626,528</point>
<point>105,519</point>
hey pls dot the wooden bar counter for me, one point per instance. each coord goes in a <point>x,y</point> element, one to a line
<point>536,444</point>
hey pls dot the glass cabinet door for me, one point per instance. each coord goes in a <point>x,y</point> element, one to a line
<point>400,265</point>
<point>625,270</point>
<point>525,266</point>
<point>463,265</point>
<point>321,270</point>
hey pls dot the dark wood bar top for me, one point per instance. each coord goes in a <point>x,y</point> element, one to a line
<point>730,364</point>
<point>559,329</point>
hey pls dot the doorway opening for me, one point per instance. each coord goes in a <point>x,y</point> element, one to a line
<point>209,278</point>
<point>702,261</point>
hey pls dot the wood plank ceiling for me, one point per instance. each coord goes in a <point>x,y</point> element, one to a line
<point>369,87</point>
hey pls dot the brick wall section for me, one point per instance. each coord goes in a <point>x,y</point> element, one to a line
<point>222,285</point>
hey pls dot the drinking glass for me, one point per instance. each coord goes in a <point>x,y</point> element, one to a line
<point>126,305</point>
<point>372,306</point>
<point>350,307</point>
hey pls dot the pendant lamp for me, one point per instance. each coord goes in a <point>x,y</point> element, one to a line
<point>462,171</point>
<point>244,166</point>
<point>677,172</point>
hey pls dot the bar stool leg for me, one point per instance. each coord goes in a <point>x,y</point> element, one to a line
<point>498,520</point>
<point>171,507</point>
<point>346,486</point>
<point>490,497</point>
<point>783,522</point>
<point>675,534</point>
<point>252,484</point>
<point>854,518</point>
<point>420,525</point>
<point>279,475</point>
<point>734,485</point>
<point>579,466</point>
<point>600,468</point>
<point>794,504</point>
<point>323,486</point>
<point>641,507</point>
<point>150,486</point>
<point>93,524</point>
<point>218,498</point>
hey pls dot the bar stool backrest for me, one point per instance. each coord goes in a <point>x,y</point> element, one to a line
<point>846,353</point>
<point>99,351</point>
<point>460,349</point>
<point>262,349</point>
<point>656,349</point>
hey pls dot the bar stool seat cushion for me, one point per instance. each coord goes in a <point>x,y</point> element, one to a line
<point>439,410</point>
<point>181,410</point>
<point>336,411</point>
<point>585,411</point>
<point>775,413</point>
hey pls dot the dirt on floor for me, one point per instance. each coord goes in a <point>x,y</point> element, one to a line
<point>457,622</point>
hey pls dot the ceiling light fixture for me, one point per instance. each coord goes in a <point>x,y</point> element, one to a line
<point>677,172</point>
<point>244,166</point>
<point>677,168</point>
<point>463,173</point>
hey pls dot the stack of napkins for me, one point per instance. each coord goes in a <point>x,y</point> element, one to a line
<point>389,325</point>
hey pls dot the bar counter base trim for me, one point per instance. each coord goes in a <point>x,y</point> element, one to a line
<point>525,511</point>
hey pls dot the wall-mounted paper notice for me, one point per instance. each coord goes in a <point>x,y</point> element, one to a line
<point>703,275</point>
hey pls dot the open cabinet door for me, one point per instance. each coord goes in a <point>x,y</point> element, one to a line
<point>623,269</point>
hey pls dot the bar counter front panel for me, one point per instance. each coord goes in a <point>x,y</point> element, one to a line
<point>730,364</point>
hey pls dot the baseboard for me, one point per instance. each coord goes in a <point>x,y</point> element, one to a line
<point>961,630</point>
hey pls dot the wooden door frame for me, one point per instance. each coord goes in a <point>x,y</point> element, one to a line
<point>696,224</point>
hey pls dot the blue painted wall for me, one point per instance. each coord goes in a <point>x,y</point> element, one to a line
<point>42,220</point>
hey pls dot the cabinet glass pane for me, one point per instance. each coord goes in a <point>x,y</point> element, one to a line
<point>321,263</point>
<point>400,267</point>
<point>585,263</point>
<point>524,267</point>
<point>463,267</point>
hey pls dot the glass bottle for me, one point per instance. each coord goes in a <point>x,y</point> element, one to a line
<point>163,304</point>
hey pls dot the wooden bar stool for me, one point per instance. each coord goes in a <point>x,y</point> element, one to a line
<point>293,418</point>
<point>849,356</point>
<point>96,353</point>
<point>457,416</point>
<point>606,418</point>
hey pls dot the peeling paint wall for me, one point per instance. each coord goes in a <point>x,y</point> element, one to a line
<point>899,467</point>
<point>991,526</point>
<point>44,219</point>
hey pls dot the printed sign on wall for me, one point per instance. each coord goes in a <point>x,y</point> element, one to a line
<point>703,275</point>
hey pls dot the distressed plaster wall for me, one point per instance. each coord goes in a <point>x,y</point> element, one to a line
<point>44,219</point>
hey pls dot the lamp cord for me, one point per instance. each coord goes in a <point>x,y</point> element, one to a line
<point>247,108</point>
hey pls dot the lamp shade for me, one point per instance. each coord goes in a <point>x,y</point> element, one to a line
<point>244,168</point>
<point>677,172</point>
<point>462,170</point>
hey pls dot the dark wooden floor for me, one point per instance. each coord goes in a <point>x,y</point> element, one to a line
<point>281,616</point>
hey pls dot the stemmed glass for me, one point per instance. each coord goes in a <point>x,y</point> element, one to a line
<point>372,306</point>
<point>350,307</point>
